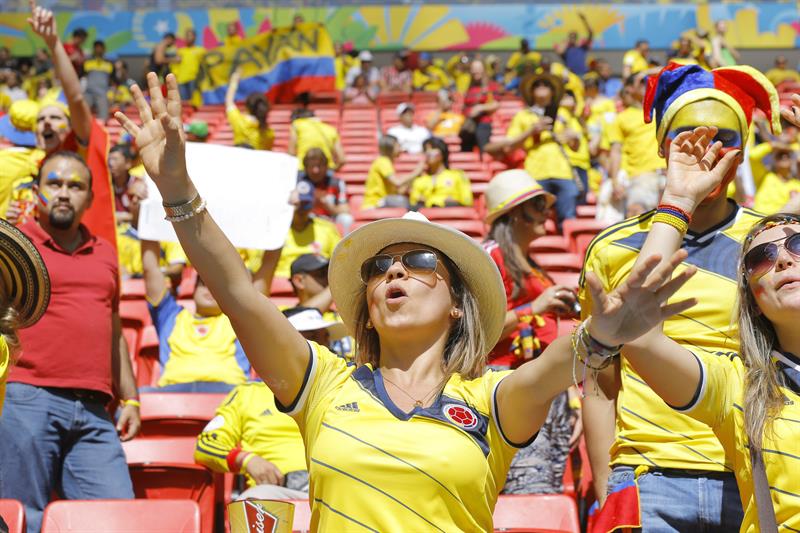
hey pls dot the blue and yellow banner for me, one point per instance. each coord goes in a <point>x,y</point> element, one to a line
<point>281,63</point>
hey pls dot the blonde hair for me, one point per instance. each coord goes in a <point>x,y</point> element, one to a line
<point>763,398</point>
<point>465,349</point>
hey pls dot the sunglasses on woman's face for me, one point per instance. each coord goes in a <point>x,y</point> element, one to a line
<point>424,261</point>
<point>762,258</point>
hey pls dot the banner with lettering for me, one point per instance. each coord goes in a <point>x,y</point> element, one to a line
<point>282,63</point>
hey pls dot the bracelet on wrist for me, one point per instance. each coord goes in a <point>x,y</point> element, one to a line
<point>248,456</point>
<point>185,210</point>
<point>132,401</point>
<point>674,216</point>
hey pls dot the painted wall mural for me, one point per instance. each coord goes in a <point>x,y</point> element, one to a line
<point>497,26</point>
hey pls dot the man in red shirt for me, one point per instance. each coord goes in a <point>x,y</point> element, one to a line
<point>74,49</point>
<point>55,433</point>
<point>480,103</point>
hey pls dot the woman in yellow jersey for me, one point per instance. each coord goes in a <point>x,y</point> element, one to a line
<point>24,293</point>
<point>251,129</point>
<point>415,436</point>
<point>780,185</point>
<point>440,185</point>
<point>751,400</point>
<point>384,187</point>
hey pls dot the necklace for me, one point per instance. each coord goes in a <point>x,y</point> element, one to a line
<point>417,402</point>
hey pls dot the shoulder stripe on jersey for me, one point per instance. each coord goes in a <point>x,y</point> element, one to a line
<point>302,394</point>
<point>331,509</point>
<point>204,440</point>
<point>496,417</point>
<point>415,467</point>
<point>603,235</point>
<point>373,487</point>
<point>202,450</point>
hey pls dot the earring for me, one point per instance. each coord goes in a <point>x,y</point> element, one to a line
<point>456,313</point>
<point>369,324</point>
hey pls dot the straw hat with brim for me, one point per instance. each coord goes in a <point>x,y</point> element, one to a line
<point>25,280</point>
<point>509,189</point>
<point>477,269</point>
<point>527,83</point>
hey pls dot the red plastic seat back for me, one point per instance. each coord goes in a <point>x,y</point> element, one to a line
<point>170,414</point>
<point>122,516</point>
<point>13,513</point>
<point>536,512</point>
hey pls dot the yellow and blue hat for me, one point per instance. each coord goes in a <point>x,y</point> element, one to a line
<point>741,88</point>
<point>18,125</point>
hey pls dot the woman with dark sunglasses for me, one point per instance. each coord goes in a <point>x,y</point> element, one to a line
<point>415,436</point>
<point>518,208</point>
<point>751,400</point>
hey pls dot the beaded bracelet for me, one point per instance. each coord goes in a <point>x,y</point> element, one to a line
<point>673,216</point>
<point>134,402</point>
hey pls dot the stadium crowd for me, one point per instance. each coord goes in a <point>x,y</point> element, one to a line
<point>575,187</point>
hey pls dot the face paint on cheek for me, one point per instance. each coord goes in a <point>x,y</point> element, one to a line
<point>43,198</point>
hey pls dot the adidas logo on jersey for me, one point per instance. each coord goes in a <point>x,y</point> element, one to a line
<point>266,412</point>
<point>351,407</point>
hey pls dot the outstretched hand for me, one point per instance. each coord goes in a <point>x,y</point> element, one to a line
<point>693,170</point>
<point>43,24</point>
<point>640,303</point>
<point>160,138</point>
<point>792,114</point>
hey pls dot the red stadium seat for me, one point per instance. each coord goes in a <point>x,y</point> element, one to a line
<point>188,282</point>
<point>568,279</point>
<point>133,289</point>
<point>586,211</point>
<point>536,513</point>
<point>281,287</point>
<point>171,414</point>
<point>379,213</point>
<point>582,242</point>
<point>164,469</point>
<point>568,262</point>
<point>147,365</point>
<point>450,213</point>
<point>13,513</point>
<point>122,516</point>
<point>134,314</point>
<point>548,244</point>
<point>474,228</point>
<point>576,226</point>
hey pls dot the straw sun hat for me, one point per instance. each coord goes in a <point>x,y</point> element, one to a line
<point>509,189</point>
<point>25,281</point>
<point>477,269</point>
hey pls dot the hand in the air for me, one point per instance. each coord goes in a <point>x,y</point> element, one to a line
<point>640,303</point>
<point>792,114</point>
<point>43,24</point>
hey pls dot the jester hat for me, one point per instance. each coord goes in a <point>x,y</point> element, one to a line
<point>741,88</point>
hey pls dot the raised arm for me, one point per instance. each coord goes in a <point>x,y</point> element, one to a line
<point>43,23</point>
<point>634,308</point>
<point>589,32</point>
<point>155,283</point>
<point>277,351</point>
<point>230,94</point>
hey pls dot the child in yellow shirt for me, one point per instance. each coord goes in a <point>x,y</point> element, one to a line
<point>440,186</point>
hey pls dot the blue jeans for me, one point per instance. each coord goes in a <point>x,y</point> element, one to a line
<point>52,441</point>
<point>186,90</point>
<point>194,386</point>
<point>675,501</point>
<point>583,175</point>
<point>566,193</point>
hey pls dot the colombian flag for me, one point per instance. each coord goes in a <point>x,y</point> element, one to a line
<point>281,63</point>
<point>619,513</point>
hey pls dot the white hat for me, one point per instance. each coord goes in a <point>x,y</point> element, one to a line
<point>311,320</point>
<point>477,269</point>
<point>510,188</point>
<point>365,55</point>
<point>402,108</point>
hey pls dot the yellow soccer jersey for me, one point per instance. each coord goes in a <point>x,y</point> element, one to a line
<point>129,250</point>
<point>17,165</point>
<point>635,60</point>
<point>638,140</point>
<point>246,131</point>
<point>320,236</point>
<point>774,192</point>
<point>311,132</point>
<point>579,158</point>
<point>517,58</point>
<point>435,191</point>
<point>546,158</point>
<point>376,468</point>
<point>720,405</point>
<point>648,431</point>
<point>432,78</point>
<point>248,419</point>
<point>189,66</point>
<point>378,186</point>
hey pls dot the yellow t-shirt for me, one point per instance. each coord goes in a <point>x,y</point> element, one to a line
<point>449,123</point>
<point>720,405</point>
<point>635,60</point>
<point>378,186</point>
<point>375,468</point>
<point>17,165</point>
<point>189,67</point>
<point>249,418</point>
<point>579,158</point>
<point>517,58</point>
<point>5,358</point>
<point>774,192</point>
<point>129,251</point>
<point>246,131</point>
<point>311,132</point>
<point>638,140</point>
<point>432,78</point>
<point>778,75</point>
<point>435,191</point>
<point>649,432</point>
<point>546,158</point>
<point>320,236</point>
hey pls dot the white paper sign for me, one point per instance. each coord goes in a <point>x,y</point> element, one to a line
<point>247,192</point>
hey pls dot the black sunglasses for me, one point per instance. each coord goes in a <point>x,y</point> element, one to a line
<point>762,258</point>
<point>413,261</point>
